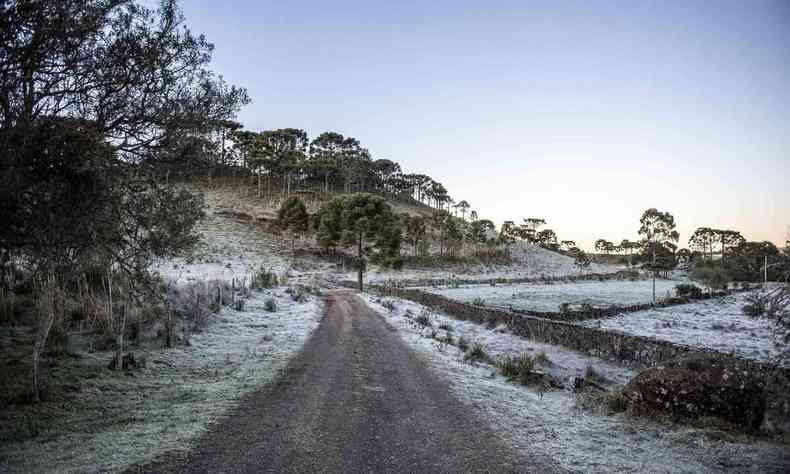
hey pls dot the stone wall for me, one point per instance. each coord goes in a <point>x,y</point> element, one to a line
<point>628,349</point>
<point>616,310</point>
<point>570,315</point>
<point>425,282</point>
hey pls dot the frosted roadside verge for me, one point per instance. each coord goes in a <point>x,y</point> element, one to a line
<point>552,425</point>
<point>119,420</point>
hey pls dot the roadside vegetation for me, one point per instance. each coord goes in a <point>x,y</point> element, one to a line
<point>110,128</point>
<point>571,406</point>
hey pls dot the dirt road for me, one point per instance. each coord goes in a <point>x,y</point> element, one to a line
<point>356,399</point>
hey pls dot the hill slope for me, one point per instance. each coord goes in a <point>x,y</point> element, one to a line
<point>528,261</point>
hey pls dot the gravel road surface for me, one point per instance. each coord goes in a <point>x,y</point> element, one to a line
<point>356,399</point>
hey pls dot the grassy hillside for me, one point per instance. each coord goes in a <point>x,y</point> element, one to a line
<point>524,261</point>
<point>243,200</point>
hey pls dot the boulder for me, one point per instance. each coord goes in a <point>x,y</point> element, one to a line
<point>700,386</point>
<point>777,410</point>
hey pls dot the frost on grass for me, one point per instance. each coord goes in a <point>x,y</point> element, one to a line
<point>528,261</point>
<point>548,297</point>
<point>717,324</point>
<point>227,250</point>
<point>552,425</point>
<point>114,420</point>
<point>563,364</point>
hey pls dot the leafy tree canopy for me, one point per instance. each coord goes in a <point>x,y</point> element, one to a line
<point>363,221</point>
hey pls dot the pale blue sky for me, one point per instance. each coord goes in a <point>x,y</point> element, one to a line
<point>584,113</point>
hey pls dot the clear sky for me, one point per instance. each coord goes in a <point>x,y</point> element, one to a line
<point>584,113</point>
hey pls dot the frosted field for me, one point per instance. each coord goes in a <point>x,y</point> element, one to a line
<point>717,324</point>
<point>528,261</point>
<point>118,420</point>
<point>228,249</point>
<point>551,426</point>
<point>548,297</point>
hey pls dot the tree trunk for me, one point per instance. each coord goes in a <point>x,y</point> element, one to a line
<point>119,340</point>
<point>36,352</point>
<point>359,263</point>
<point>654,273</point>
<point>169,329</point>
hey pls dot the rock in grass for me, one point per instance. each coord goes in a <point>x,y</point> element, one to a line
<point>700,386</point>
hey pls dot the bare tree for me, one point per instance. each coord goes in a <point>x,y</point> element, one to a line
<point>51,309</point>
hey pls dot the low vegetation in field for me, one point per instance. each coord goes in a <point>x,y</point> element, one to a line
<point>517,368</point>
<point>476,353</point>
<point>163,398</point>
<point>560,296</point>
<point>718,324</point>
<point>562,424</point>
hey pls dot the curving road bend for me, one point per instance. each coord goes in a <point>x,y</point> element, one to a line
<point>356,399</point>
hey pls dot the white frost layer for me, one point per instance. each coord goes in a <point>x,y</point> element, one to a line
<point>565,364</point>
<point>528,261</point>
<point>717,324</point>
<point>227,250</point>
<point>552,425</point>
<point>548,297</point>
<point>171,401</point>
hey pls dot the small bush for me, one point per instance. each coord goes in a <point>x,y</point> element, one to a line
<point>265,278</point>
<point>591,376</point>
<point>711,274</point>
<point>389,304</point>
<point>423,320</point>
<point>508,367</point>
<point>687,290</point>
<point>565,308</point>
<point>195,304</point>
<point>616,401</point>
<point>478,302</point>
<point>754,308</point>
<point>298,294</point>
<point>270,305</point>
<point>463,344</point>
<point>446,327</point>
<point>517,368</point>
<point>476,354</point>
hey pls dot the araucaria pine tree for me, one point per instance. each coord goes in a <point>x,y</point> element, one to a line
<point>657,229</point>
